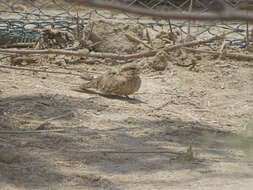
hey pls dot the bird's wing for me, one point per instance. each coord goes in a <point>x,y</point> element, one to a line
<point>112,83</point>
<point>91,84</point>
<point>95,82</point>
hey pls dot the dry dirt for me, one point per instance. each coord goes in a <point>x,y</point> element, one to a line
<point>186,128</point>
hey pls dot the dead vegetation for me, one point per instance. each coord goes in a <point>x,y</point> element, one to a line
<point>189,124</point>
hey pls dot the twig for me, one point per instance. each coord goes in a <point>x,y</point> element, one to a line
<point>221,51</point>
<point>194,43</point>
<point>86,53</point>
<point>189,22</point>
<point>134,39</point>
<point>138,152</point>
<point>78,28</point>
<point>59,117</point>
<point>133,152</point>
<point>26,132</point>
<point>229,55</point>
<point>47,121</point>
<point>149,38</point>
<point>223,46</point>
<point>247,33</point>
<point>38,70</point>
<point>171,31</point>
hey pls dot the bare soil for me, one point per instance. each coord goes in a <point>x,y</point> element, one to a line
<point>186,128</point>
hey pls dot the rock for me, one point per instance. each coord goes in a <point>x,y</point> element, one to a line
<point>160,61</point>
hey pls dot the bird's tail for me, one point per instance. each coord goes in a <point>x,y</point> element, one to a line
<point>87,77</point>
<point>90,84</point>
<point>84,87</point>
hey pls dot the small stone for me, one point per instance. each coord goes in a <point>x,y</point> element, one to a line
<point>160,61</point>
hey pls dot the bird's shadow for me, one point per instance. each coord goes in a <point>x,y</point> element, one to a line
<point>110,96</point>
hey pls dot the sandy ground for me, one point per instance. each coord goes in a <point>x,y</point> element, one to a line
<point>186,128</point>
<point>117,143</point>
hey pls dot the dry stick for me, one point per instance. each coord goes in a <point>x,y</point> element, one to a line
<point>47,121</point>
<point>136,152</point>
<point>38,70</point>
<point>187,44</point>
<point>131,152</point>
<point>229,55</point>
<point>86,53</point>
<point>189,22</point>
<point>223,46</point>
<point>26,132</point>
<point>171,31</point>
<point>149,38</point>
<point>251,35</point>
<point>78,27</point>
<point>247,33</point>
<point>221,51</point>
<point>58,117</point>
<point>134,39</point>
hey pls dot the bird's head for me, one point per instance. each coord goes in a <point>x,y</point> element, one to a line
<point>130,70</point>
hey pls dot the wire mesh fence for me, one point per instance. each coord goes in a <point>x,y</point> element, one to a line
<point>22,21</point>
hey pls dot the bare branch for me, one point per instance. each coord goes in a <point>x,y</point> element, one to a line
<point>31,131</point>
<point>237,56</point>
<point>112,55</point>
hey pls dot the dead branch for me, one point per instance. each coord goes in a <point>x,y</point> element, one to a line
<point>29,132</point>
<point>224,54</point>
<point>195,43</point>
<point>157,151</point>
<point>86,53</point>
<point>149,38</point>
<point>223,46</point>
<point>134,39</point>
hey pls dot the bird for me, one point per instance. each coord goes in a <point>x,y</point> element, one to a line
<point>122,82</point>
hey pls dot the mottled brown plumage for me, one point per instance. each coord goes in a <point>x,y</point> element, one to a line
<point>126,81</point>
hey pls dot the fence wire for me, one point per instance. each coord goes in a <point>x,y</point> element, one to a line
<point>20,20</point>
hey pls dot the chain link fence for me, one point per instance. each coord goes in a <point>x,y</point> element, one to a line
<point>21,21</point>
